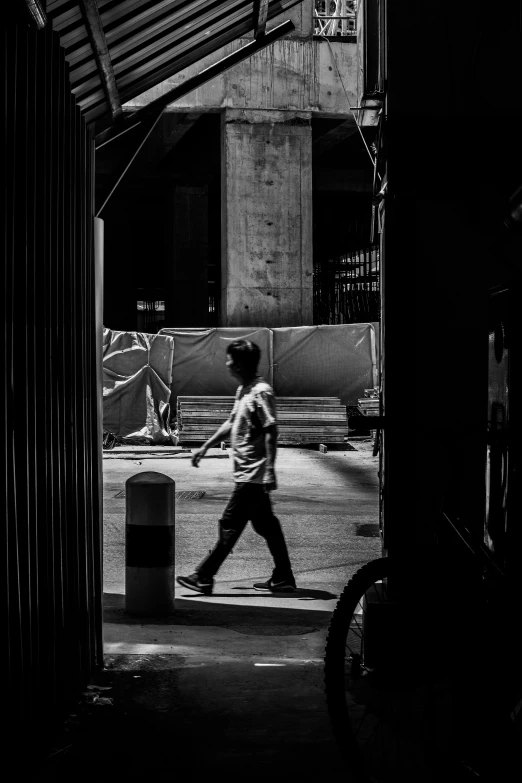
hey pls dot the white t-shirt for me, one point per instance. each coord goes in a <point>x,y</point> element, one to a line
<point>254,410</point>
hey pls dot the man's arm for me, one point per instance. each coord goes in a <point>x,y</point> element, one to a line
<point>269,482</point>
<point>219,435</point>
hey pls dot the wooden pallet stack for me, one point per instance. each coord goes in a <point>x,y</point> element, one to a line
<point>369,404</point>
<point>300,420</point>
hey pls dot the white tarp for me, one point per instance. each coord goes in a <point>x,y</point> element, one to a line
<point>299,361</point>
<point>137,373</point>
<point>200,355</point>
<point>325,361</point>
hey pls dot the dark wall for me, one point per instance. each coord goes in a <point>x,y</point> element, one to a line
<point>452,130</point>
<point>52,573</point>
<point>342,178</point>
<point>342,223</point>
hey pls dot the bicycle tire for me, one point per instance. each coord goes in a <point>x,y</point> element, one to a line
<point>387,728</point>
<point>445,740</point>
<point>335,661</point>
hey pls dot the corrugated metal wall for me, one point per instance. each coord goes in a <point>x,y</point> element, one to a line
<point>53,564</point>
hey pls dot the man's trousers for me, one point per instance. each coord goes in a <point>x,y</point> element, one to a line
<point>249,503</point>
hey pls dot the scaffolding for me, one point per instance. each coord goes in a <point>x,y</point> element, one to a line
<point>346,288</point>
<point>335,18</point>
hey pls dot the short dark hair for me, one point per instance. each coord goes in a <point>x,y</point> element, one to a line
<point>245,353</point>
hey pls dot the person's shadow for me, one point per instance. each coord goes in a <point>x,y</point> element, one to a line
<point>250,592</point>
<point>267,617</point>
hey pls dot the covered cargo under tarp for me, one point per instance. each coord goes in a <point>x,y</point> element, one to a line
<point>319,361</point>
<point>137,374</point>
<point>299,361</point>
<point>200,354</point>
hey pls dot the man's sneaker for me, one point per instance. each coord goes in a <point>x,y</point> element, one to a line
<point>195,582</point>
<point>283,586</point>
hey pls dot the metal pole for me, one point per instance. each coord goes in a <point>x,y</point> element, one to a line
<point>149,130</point>
<point>98,331</point>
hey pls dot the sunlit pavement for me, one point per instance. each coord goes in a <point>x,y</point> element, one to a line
<point>327,505</point>
<point>229,685</point>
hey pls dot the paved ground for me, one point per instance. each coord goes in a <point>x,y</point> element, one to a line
<point>327,504</point>
<point>229,684</point>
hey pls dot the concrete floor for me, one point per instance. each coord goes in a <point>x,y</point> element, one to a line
<point>230,684</point>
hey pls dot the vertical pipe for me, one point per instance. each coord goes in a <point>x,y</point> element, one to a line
<point>367,264</point>
<point>344,22</point>
<point>99,236</point>
<point>271,358</point>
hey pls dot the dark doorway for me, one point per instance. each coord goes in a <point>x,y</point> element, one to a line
<point>162,226</point>
<point>346,258</point>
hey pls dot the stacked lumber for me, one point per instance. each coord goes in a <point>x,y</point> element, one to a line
<point>300,420</point>
<point>369,404</point>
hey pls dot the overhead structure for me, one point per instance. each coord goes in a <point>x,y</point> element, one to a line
<point>192,83</point>
<point>261,14</point>
<point>117,50</point>
<point>102,56</point>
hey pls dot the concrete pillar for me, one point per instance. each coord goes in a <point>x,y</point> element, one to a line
<point>266,262</point>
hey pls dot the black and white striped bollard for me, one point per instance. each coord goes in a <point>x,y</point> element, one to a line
<point>149,543</point>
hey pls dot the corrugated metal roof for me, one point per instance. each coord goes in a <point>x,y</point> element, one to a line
<point>147,41</point>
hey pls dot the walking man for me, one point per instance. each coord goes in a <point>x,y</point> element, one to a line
<point>253,433</point>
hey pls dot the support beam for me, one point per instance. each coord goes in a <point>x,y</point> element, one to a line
<point>36,13</point>
<point>260,17</point>
<point>94,26</point>
<point>201,78</point>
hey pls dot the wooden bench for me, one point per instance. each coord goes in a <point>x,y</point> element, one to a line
<point>300,420</point>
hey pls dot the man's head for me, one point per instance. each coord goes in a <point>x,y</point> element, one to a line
<point>242,359</point>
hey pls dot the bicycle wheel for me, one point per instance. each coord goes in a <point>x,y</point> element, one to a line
<point>388,705</point>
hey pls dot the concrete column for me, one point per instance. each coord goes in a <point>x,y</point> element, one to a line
<point>266,261</point>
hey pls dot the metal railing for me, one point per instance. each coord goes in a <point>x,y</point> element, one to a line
<point>335,18</point>
<point>151,312</point>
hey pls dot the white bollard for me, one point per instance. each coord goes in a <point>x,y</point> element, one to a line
<point>149,543</point>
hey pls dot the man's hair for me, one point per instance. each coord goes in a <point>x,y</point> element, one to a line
<point>245,354</point>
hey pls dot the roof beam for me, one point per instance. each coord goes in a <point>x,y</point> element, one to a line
<point>94,26</point>
<point>196,81</point>
<point>260,17</point>
<point>36,13</point>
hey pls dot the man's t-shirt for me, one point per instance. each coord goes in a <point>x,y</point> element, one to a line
<point>254,409</point>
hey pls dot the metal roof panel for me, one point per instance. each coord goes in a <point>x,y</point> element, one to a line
<point>147,41</point>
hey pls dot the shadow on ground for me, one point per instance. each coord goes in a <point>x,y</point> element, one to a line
<point>216,713</point>
<point>308,595</point>
<point>227,721</point>
<point>197,610</point>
